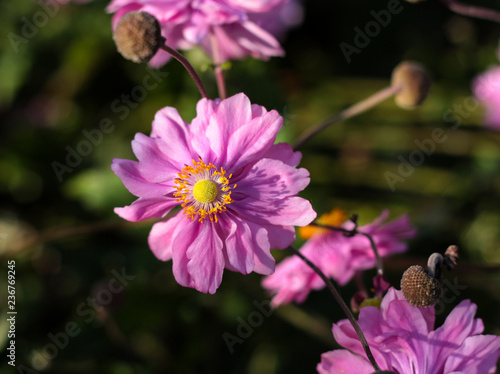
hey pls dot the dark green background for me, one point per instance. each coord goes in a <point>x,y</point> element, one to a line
<point>66,240</point>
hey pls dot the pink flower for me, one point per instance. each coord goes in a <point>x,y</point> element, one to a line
<point>239,28</point>
<point>237,190</point>
<point>402,340</point>
<point>487,90</point>
<point>338,256</point>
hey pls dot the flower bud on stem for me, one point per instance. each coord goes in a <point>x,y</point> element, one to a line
<point>343,306</point>
<point>183,60</point>
<point>138,38</point>
<point>352,111</point>
<point>424,288</point>
<point>410,85</point>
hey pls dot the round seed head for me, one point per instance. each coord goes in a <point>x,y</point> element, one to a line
<point>419,289</point>
<point>138,36</point>
<point>415,83</point>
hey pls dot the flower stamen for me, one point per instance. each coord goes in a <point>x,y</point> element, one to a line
<point>203,190</point>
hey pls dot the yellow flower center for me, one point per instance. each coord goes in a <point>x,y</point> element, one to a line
<point>335,218</point>
<point>204,190</point>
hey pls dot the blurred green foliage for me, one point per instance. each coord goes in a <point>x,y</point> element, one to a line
<point>64,80</point>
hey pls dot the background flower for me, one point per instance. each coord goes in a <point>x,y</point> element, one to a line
<point>402,340</point>
<point>236,28</point>
<point>237,190</point>
<point>338,256</point>
<point>487,90</point>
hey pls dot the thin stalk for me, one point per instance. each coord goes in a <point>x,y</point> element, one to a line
<point>343,306</point>
<point>380,268</point>
<point>352,111</point>
<point>472,11</point>
<point>183,60</point>
<point>219,72</point>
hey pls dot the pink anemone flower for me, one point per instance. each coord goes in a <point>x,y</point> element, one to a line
<point>338,256</point>
<point>236,189</point>
<point>225,29</point>
<point>403,340</point>
<point>487,90</point>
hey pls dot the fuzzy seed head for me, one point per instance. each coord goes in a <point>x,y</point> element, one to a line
<point>415,82</point>
<point>419,289</point>
<point>138,36</point>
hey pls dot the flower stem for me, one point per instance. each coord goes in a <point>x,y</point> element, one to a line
<point>183,60</point>
<point>472,11</point>
<point>343,306</point>
<point>355,231</point>
<point>219,73</point>
<point>352,111</point>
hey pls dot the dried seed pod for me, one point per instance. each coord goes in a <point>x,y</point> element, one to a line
<point>420,289</point>
<point>415,84</point>
<point>138,36</point>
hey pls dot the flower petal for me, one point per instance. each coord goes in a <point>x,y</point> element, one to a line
<point>459,325</point>
<point>163,234</point>
<point>342,361</point>
<point>252,140</point>
<point>477,355</point>
<point>269,180</point>
<point>291,211</point>
<point>172,133</point>
<point>128,172</point>
<point>284,152</point>
<point>203,248</point>
<point>154,165</point>
<point>144,208</point>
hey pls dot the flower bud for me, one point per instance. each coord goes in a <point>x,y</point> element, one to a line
<point>138,36</point>
<point>415,83</point>
<point>420,289</point>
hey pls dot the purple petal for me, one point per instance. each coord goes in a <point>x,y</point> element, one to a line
<point>128,172</point>
<point>292,211</point>
<point>477,355</point>
<point>252,140</point>
<point>291,281</point>
<point>342,361</point>
<point>284,152</point>
<point>204,251</point>
<point>240,244</point>
<point>163,234</point>
<point>269,180</point>
<point>459,325</point>
<point>279,237</point>
<point>144,208</point>
<point>154,165</point>
<point>171,134</point>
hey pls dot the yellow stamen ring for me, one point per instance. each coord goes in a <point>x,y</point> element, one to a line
<point>203,190</point>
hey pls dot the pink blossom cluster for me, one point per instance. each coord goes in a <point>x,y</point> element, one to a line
<point>338,256</point>
<point>225,29</point>
<point>403,340</point>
